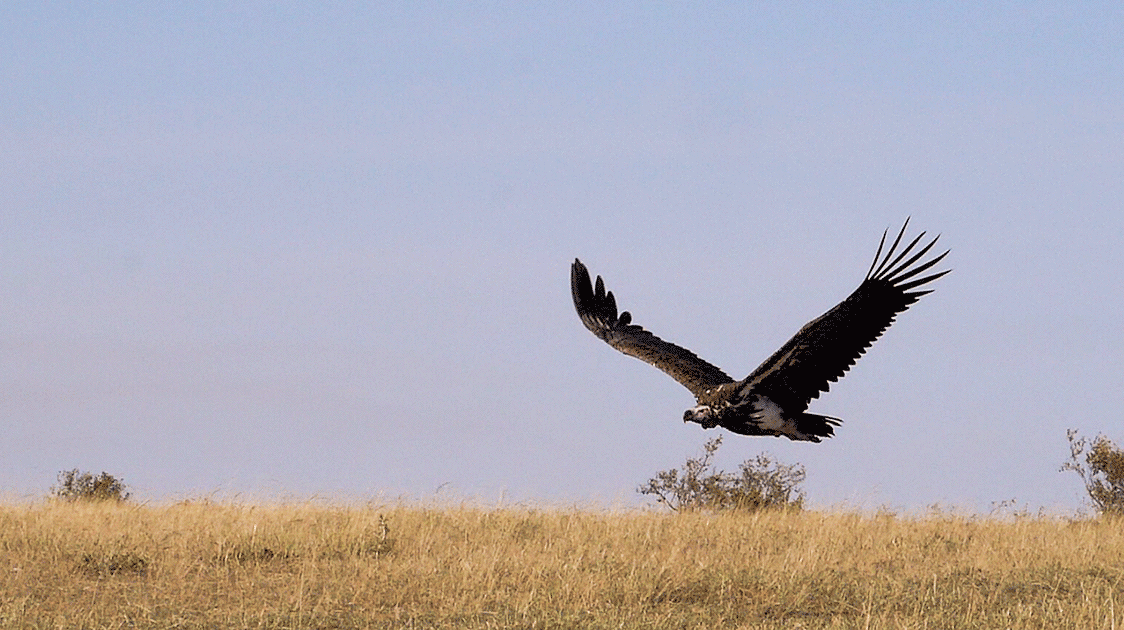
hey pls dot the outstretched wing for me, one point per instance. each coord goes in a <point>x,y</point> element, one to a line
<point>598,311</point>
<point>826,347</point>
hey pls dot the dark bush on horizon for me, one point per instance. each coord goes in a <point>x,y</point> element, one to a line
<point>760,484</point>
<point>75,485</point>
<point>1100,463</point>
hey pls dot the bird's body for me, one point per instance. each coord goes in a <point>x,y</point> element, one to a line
<point>773,400</point>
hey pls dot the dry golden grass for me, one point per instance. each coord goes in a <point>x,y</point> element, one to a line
<point>212,565</point>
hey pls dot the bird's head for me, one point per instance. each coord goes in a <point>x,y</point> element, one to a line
<point>703,414</point>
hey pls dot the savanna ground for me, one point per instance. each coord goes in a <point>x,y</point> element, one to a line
<point>217,565</point>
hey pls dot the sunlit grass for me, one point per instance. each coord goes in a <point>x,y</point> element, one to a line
<point>204,564</point>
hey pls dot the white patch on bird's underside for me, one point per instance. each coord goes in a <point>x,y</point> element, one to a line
<point>769,415</point>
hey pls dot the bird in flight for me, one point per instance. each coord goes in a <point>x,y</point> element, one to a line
<point>773,400</point>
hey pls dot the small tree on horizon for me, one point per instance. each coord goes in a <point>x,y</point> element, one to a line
<point>761,483</point>
<point>75,485</point>
<point>1100,464</point>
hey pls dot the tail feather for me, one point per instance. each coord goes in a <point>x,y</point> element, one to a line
<point>812,427</point>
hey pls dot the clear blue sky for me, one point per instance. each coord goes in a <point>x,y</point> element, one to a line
<point>299,249</point>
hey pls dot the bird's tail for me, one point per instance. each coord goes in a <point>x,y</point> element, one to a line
<point>812,427</point>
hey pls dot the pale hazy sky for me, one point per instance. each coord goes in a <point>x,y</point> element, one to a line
<point>323,249</point>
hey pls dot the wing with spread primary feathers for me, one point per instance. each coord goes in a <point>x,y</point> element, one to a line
<point>826,347</point>
<point>598,311</point>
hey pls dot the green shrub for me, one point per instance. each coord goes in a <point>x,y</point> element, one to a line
<point>761,483</point>
<point>83,486</point>
<point>1100,463</point>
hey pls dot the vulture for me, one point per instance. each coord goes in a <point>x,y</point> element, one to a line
<point>773,400</point>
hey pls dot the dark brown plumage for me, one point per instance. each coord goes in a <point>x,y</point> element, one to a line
<point>773,399</point>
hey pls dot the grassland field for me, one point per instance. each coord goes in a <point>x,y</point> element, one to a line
<point>204,564</point>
